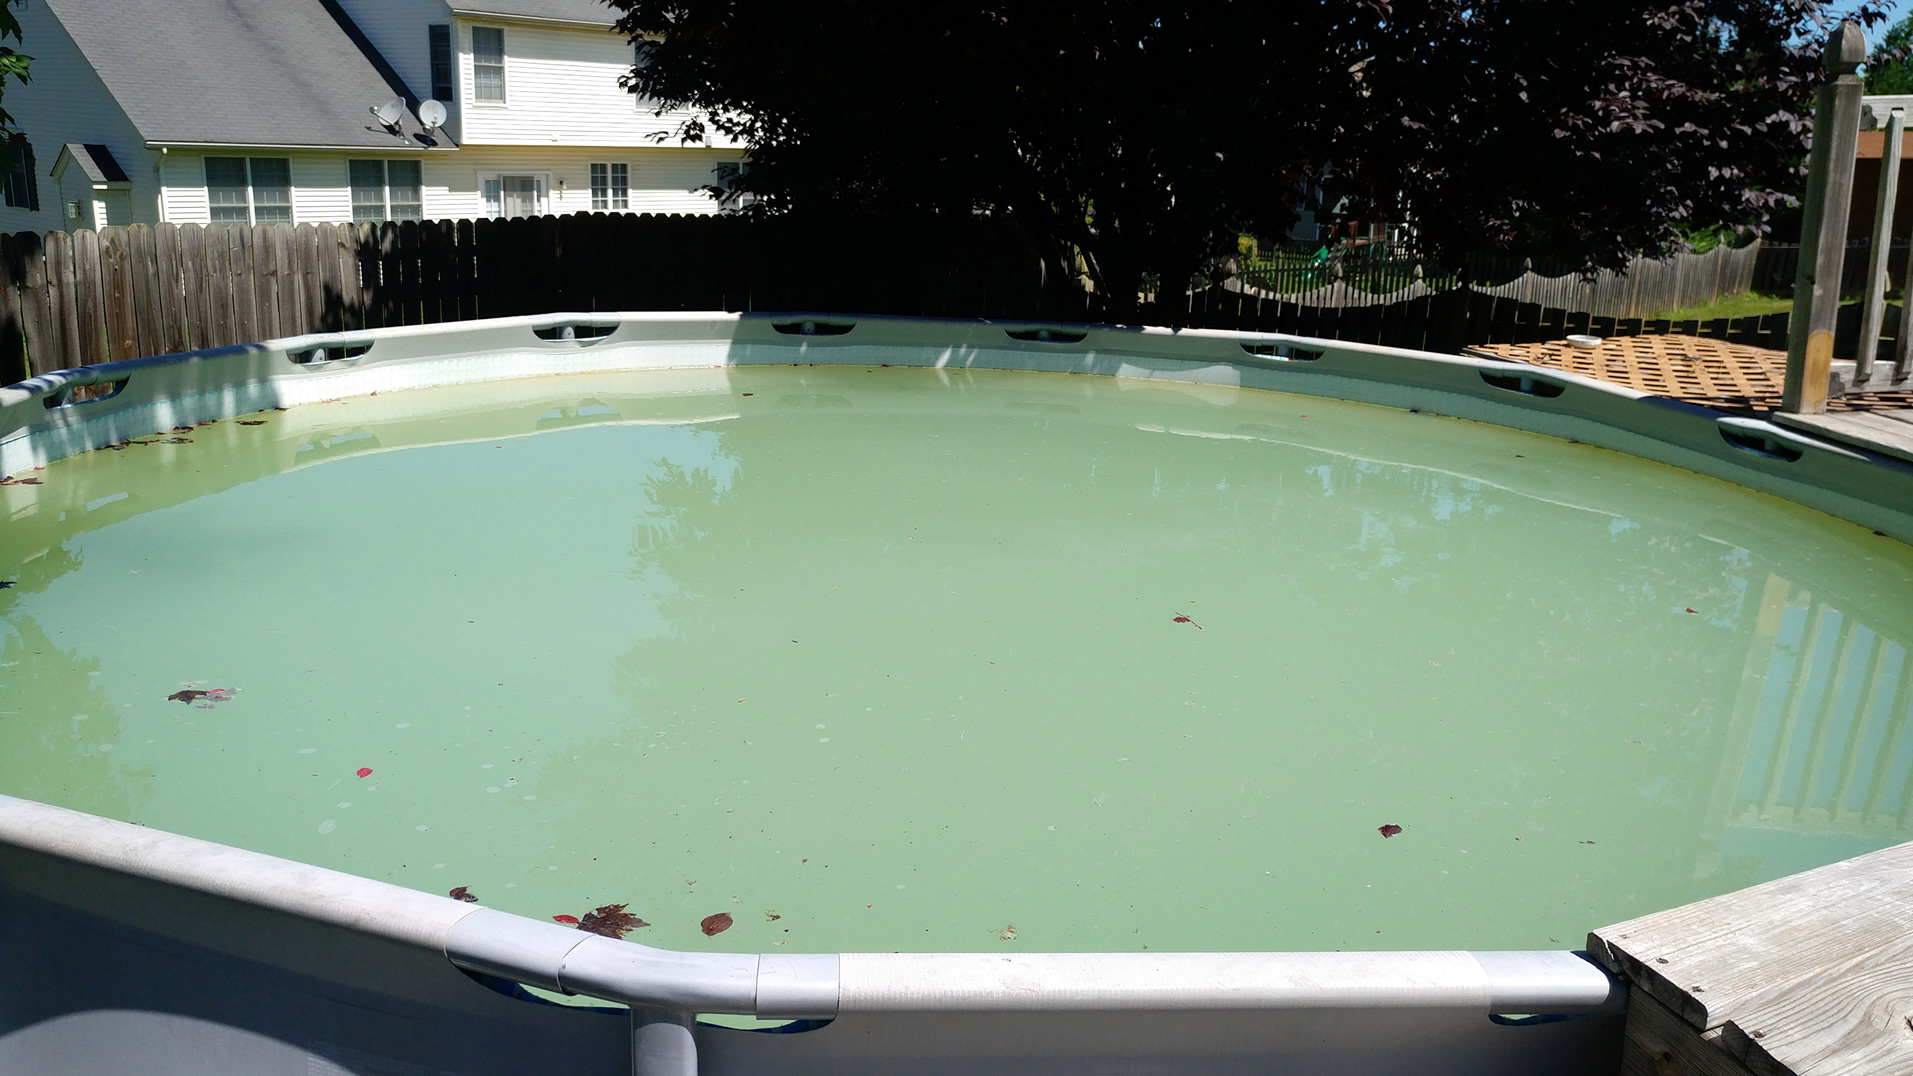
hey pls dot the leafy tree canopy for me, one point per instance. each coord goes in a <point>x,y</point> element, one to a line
<point>1150,135</point>
<point>1891,68</point>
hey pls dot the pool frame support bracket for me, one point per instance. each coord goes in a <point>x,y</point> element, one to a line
<point>662,1043</point>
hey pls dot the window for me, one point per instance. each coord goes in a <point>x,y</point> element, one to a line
<point>611,186</point>
<point>385,190</point>
<point>488,63</point>
<point>441,38</point>
<point>249,190</point>
<point>514,196</point>
<point>21,182</point>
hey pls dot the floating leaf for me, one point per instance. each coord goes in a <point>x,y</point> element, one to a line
<point>715,924</point>
<point>1008,934</point>
<point>5,583</point>
<point>611,920</point>
<point>464,894</point>
<point>193,694</point>
<point>1388,830</point>
<point>568,920</point>
<point>182,429</point>
<point>252,422</point>
<point>176,441</point>
<point>770,916</point>
<point>1180,619</point>
<point>364,771</point>
<point>19,482</point>
<point>1694,611</point>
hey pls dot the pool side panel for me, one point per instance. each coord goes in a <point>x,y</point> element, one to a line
<point>128,950</point>
<point>161,393</point>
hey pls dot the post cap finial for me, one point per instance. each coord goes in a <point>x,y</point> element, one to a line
<point>1846,48</point>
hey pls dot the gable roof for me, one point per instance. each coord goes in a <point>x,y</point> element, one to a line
<point>266,73</point>
<point>95,160</point>
<point>579,12</point>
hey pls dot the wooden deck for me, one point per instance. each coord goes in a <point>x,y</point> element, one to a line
<point>1811,973</point>
<point>1735,378</point>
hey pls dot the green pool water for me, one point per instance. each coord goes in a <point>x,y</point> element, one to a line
<point>894,659</point>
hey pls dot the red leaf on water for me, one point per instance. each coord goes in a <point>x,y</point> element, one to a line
<point>464,894</point>
<point>750,394</point>
<point>716,924</point>
<point>365,771</point>
<point>1695,611</point>
<point>1185,620</point>
<point>1389,830</point>
<point>568,920</point>
<point>611,920</point>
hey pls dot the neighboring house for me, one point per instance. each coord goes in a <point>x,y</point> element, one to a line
<point>261,110</point>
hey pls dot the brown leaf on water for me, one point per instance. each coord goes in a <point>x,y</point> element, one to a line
<point>610,920</point>
<point>187,695</point>
<point>252,422</point>
<point>464,894</point>
<point>770,916</point>
<point>715,924</point>
<point>1388,830</point>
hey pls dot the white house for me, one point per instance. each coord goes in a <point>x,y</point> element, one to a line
<point>261,110</point>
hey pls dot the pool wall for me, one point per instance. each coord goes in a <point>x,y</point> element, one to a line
<point>123,949</point>
<point>37,423</point>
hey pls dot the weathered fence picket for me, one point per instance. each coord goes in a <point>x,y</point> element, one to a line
<point>86,297</point>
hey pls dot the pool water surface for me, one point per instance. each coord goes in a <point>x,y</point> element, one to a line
<point>900,659</point>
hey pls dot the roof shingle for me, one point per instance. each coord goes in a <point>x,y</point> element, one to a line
<point>237,72</point>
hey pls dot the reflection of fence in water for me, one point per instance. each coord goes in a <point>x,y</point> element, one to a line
<point>1827,748</point>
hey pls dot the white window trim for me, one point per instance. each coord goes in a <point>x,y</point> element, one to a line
<point>385,188</point>
<point>544,192</point>
<point>610,189</point>
<point>252,208</point>
<point>470,65</point>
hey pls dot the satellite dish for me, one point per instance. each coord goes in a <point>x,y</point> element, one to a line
<point>432,114</point>
<point>390,113</point>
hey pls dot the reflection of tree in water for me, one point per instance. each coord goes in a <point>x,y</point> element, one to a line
<point>51,748</point>
<point>674,492</point>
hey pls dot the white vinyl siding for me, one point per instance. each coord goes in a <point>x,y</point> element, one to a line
<point>488,64</point>
<point>563,91</point>
<point>67,102</point>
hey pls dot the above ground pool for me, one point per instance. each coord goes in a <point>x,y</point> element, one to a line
<point>874,659</point>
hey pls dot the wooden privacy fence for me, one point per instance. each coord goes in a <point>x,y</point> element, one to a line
<point>84,298</point>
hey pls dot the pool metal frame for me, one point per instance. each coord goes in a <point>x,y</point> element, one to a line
<point>124,949</point>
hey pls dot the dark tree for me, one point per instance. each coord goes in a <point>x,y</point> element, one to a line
<point>1149,137</point>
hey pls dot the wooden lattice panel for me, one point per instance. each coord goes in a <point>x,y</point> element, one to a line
<point>1714,373</point>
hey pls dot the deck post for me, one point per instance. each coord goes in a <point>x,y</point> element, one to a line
<point>662,1043</point>
<point>1823,225</point>
<point>1874,316</point>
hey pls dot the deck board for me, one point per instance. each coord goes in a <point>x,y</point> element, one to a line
<point>1889,433</point>
<point>1848,1017</point>
<point>1718,959</point>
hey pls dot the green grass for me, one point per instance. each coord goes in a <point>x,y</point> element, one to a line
<point>1744,306</point>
